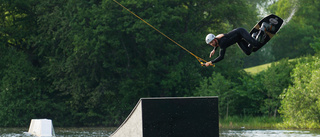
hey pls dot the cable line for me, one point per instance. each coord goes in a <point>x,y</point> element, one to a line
<point>201,61</point>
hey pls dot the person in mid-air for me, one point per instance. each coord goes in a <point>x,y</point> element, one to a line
<point>223,41</point>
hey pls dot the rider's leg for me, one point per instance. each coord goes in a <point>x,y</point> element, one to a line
<point>247,37</point>
<point>244,47</point>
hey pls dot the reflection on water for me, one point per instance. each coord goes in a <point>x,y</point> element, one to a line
<point>12,132</point>
<point>269,133</point>
<point>84,132</point>
<point>106,132</point>
<point>61,132</point>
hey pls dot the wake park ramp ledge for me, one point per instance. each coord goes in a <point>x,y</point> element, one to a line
<point>172,117</point>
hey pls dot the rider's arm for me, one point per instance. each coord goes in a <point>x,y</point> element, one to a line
<point>220,57</point>
<point>220,36</point>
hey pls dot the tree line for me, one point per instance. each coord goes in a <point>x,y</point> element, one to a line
<point>86,63</point>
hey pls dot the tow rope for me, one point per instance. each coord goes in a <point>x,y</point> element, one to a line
<point>201,61</point>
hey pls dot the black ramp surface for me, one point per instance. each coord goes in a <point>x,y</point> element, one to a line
<point>180,117</point>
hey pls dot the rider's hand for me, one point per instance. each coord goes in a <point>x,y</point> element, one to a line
<point>209,64</point>
<point>212,52</point>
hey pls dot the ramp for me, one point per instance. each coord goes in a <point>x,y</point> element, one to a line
<point>172,117</point>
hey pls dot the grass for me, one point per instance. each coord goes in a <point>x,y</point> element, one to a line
<point>257,69</point>
<point>236,122</point>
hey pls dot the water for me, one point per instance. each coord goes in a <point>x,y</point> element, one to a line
<point>61,132</point>
<point>269,133</point>
<point>264,12</point>
<point>106,132</point>
<point>293,11</point>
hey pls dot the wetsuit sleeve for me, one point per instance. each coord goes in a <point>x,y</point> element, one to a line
<point>220,57</point>
<point>214,48</point>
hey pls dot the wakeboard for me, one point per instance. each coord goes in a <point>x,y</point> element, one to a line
<point>271,19</point>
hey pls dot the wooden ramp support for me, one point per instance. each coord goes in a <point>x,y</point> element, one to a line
<point>172,117</point>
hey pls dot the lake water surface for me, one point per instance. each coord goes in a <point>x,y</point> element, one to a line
<point>269,133</point>
<point>106,132</point>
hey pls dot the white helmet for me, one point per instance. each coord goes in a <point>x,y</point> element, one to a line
<point>209,38</point>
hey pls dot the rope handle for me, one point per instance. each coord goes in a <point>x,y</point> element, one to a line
<point>203,62</point>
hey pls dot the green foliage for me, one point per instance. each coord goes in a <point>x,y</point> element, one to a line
<point>251,91</point>
<point>249,95</point>
<point>265,87</point>
<point>300,102</point>
<point>92,60</point>
<point>217,85</point>
<point>297,35</point>
<point>86,63</point>
<point>275,79</point>
<point>316,44</point>
<point>16,20</point>
<point>22,90</point>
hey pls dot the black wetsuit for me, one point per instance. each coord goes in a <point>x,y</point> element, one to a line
<point>235,36</point>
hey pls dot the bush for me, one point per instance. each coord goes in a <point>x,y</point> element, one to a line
<point>301,104</point>
<point>275,79</point>
<point>21,90</point>
<point>218,85</point>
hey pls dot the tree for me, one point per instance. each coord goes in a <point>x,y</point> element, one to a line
<point>251,94</point>
<point>23,92</point>
<point>298,33</point>
<point>94,60</point>
<point>275,79</point>
<point>300,102</point>
<point>22,87</point>
<point>217,85</point>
